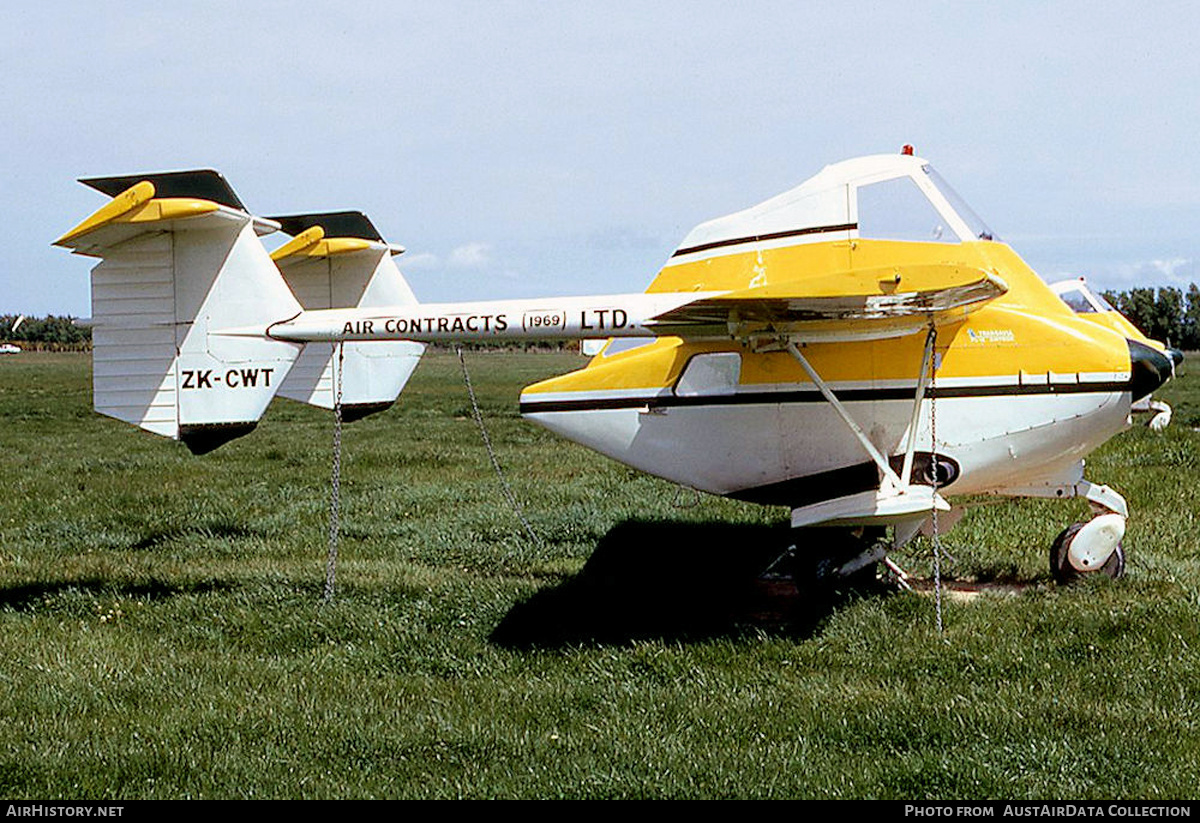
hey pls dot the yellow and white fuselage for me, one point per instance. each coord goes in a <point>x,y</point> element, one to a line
<point>1021,389</point>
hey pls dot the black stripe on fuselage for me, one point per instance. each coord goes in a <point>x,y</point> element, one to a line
<point>815,396</point>
<point>758,238</point>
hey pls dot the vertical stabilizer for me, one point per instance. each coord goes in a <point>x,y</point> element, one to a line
<point>354,269</point>
<point>177,275</point>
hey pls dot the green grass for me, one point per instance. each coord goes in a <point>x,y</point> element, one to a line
<point>163,636</point>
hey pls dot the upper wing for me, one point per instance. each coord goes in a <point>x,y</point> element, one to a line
<point>859,304</point>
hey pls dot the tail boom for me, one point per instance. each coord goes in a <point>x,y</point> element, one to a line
<point>567,318</point>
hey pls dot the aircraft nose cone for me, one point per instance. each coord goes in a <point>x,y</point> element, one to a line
<point>1176,356</point>
<point>1148,369</point>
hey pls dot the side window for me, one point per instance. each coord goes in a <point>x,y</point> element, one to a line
<point>897,210</point>
<point>716,373</point>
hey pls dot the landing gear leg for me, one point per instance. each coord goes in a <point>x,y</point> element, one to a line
<point>836,556</point>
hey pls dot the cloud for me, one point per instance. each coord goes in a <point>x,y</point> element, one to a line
<point>470,256</point>
<point>1170,269</point>
<point>424,260</point>
<point>467,256</point>
<point>1155,272</point>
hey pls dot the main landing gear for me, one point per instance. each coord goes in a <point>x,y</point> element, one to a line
<point>831,557</point>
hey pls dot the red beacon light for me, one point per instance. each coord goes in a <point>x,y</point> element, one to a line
<point>907,150</point>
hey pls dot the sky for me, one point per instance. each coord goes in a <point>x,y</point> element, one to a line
<point>554,148</point>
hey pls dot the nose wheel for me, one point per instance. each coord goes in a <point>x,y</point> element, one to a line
<point>1093,547</point>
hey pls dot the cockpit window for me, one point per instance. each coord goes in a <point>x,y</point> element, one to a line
<point>1077,300</point>
<point>897,209</point>
<point>1081,297</point>
<point>978,228</point>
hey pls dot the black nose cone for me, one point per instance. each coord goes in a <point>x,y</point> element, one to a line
<point>1148,369</point>
<point>1176,357</point>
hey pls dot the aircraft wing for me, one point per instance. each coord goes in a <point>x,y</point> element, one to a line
<point>860,304</point>
<point>856,305</point>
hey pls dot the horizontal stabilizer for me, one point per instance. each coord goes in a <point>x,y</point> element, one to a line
<point>201,184</point>
<point>332,223</point>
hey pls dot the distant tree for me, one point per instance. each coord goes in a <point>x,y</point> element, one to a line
<point>1190,336</point>
<point>1168,316</point>
<point>50,332</point>
<point>1138,306</point>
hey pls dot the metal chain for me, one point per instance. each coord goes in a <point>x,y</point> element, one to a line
<point>335,484</point>
<point>679,502</point>
<point>487,442</point>
<point>937,540</point>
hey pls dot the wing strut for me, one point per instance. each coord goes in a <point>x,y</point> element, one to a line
<point>896,500</point>
<point>890,478</point>
<point>922,382</point>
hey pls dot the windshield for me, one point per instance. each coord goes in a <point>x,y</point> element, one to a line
<point>978,228</point>
<point>897,209</point>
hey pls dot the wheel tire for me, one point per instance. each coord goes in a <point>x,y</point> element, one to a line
<point>1060,565</point>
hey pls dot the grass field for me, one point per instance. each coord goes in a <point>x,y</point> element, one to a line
<point>163,635</point>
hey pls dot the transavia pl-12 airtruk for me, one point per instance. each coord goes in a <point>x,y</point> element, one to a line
<point>857,349</point>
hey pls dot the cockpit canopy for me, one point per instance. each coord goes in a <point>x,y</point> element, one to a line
<point>881,197</point>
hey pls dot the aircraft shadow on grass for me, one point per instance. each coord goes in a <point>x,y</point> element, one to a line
<point>686,581</point>
<point>31,596</point>
<point>209,529</point>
